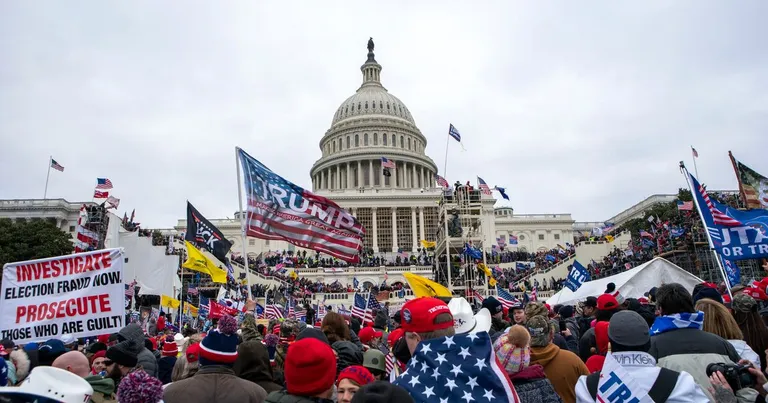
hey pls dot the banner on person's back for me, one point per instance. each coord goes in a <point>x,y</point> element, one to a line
<point>81,295</point>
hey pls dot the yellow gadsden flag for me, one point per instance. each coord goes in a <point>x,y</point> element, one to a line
<point>169,302</point>
<point>196,261</point>
<point>190,310</point>
<point>428,244</point>
<point>424,287</point>
<point>609,238</point>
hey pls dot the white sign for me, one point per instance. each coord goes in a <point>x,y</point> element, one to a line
<point>80,295</point>
<point>618,385</point>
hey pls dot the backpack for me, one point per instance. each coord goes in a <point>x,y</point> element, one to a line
<point>659,392</point>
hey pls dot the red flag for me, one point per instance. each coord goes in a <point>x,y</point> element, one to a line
<point>100,195</point>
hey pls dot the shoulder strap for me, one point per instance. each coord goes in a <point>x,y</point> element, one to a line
<point>592,381</point>
<point>664,385</point>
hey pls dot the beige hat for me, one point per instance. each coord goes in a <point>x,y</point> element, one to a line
<point>53,383</point>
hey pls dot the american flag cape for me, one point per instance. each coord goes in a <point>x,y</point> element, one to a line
<point>281,210</point>
<point>460,368</point>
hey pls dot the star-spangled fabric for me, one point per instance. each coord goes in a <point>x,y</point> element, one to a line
<point>460,368</point>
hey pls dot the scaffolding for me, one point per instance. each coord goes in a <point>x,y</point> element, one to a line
<point>98,222</point>
<point>460,218</point>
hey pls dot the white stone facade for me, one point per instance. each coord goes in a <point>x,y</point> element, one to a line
<point>59,211</point>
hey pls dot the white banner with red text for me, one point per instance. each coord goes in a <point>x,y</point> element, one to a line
<point>80,295</point>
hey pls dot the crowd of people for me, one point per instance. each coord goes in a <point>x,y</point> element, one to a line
<point>671,344</point>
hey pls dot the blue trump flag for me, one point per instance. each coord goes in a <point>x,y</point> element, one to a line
<point>732,271</point>
<point>460,368</point>
<point>735,234</point>
<point>577,276</point>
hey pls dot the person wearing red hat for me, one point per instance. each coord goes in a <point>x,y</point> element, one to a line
<point>606,305</point>
<point>425,318</point>
<point>167,360</point>
<point>98,367</point>
<point>370,337</point>
<point>310,372</point>
<point>350,380</point>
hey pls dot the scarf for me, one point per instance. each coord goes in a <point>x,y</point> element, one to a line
<point>683,320</point>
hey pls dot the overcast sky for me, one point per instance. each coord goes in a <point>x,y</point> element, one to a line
<point>573,108</point>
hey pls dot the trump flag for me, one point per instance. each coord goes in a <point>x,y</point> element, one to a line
<point>278,209</point>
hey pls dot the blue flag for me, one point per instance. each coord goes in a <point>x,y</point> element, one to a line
<point>502,192</point>
<point>472,251</point>
<point>460,368</point>
<point>736,234</point>
<point>732,271</point>
<point>577,276</point>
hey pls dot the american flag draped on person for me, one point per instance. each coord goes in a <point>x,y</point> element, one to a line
<point>460,368</point>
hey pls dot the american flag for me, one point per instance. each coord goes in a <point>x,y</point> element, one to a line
<point>192,290</point>
<point>300,313</point>
<point>718,216</point>
<point>387,163</point>
<point>373,303</point>
<point>389,361</point>
<point>55,165</point>
<point>441,181</point>
<point>507,300</point>
<point>645,234</point>
<point>460,368</point>
<point>453,132</point>
<point>86,239</point>
<point>103,183</point>
<point>480,298</point>
<point>204,307</point>
<point>684,206</point>
<point>291,310</point>
<point>694,152</point>
<point>130,289</point>
<point>273,311</point>
<point>534,293</point>
<point>483,186</point>
<point>361,310</point>
<point>308,221</point>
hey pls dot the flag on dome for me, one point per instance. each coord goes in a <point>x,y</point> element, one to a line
<point>483,186</point>
<point>460,368</point>
<point>280,210</point>
<point>387,163</point>
<point>103,183</point>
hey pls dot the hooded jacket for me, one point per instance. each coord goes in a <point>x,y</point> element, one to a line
<point>147,360</point>
<point>532,386</point>
<point>563,369</point>
<point>252,363</point>
<point>103,389</point>
<point>21,364</point>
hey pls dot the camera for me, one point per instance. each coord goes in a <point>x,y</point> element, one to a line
<point>738,376</point>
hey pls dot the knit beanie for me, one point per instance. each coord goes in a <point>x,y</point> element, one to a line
<point>310,368</point>
<point>357,374</point>
<point>382,392</point>
<point>169,348</point>
<point>139,387</point>
<point>219,347</point>
<point>513,350</point>
<point>123,353</point>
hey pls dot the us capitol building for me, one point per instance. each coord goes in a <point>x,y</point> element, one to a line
<point>397,211</point>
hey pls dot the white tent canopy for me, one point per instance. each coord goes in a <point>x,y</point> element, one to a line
<point>632,283</point>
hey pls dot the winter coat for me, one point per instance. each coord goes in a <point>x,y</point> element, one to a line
<point>354,339</point>
<point>147,360</point>
<point>572,324</point>
<point>532,386</point>
<point>348,354</point>
<point>563,369</point>
<point>744,351</point>
<point>498,325</point>
<point>214,383</point>
<point>103,389</point>
<point>21,364</point>
<point>252,363</point>
<point>165,369</point>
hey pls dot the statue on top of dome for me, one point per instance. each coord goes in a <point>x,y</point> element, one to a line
<point>370,44</point>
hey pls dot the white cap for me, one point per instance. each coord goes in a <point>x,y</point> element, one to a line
<point>180,340</point>
<point>67,339</point>
<point>464,321</point>
<point>55,384</point>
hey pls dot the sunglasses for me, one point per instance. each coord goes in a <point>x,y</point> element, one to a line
<point>107,363</point>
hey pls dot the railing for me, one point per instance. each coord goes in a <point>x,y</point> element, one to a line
<point>535,271</point>
<point>338,297</point>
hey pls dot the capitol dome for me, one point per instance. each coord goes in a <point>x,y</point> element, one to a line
<point>369,125</point>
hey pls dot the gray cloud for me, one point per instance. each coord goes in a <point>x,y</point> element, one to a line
<point>574,109</point>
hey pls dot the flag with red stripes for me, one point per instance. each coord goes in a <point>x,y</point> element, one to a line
<point>281,210</point>
<point>483,186</point>
<point>719,217</point>
<point>85,238</point>
<point>441,181</point>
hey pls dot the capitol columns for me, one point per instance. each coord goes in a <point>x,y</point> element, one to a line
<point>359,174</point>
<point>413,229</point>
<point>394,229</point>
<point>338,177</point>
<point>421,222</point>
<point>370,177</point>
<point>349,176</point>
<point>375,233</point>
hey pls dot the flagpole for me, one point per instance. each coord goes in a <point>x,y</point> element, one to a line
<point>445,163</point>
<point>242,221</point>
<point>706,229</point>
<point>695,168</point>
<point>50,159</point>
<point>181,297</point>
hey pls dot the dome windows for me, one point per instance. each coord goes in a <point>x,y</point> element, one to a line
<point>394,140</point>
<point>402,142</point>
<point>387,105</point>
<point>365,139</point>
<point>384,138</point>
<point>366,104</point>
<point>409,143</point>
<point>347,142</point>
<point>381,105</point>
<point>375,137</point>
<point>358,106</point>
<point>357,140</point>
